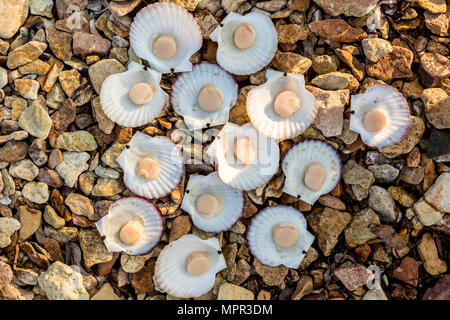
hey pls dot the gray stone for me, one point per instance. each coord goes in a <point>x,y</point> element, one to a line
<point>381,201</point>
<point>73,164</point>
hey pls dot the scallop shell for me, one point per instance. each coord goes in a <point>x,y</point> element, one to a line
<point>166,18</point>
<point>262,115</point>
<point>232,200</point>
<point>126,209</point>
<point>255,58</point>
<point>394,106</point>
<point>263,247</point>
<point>115,100</point>
<point>170,272</point>
<point>237,175</point>
<point>161,149</point>
<point>299,157</point>
<point>185,93</point>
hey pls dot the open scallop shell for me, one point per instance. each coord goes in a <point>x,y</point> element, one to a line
<point>166,18</point>
<point>260,106</point>
<point>393,105</point>
<point>124,210</point>
<point>232,200</point>
<point>299,157</point>
<point>170,272</point>
<point>235,174</point>
<point>253,59</point>
<point>185,93</point>
<point>264,248</point>
<point>116,102</point>
<point>162,150</point>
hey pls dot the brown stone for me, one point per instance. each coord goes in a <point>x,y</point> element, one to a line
<point>50,177</point>
<point>434,67</point>
<point>395,65</point>
<point>291,62</point>
<point>13,151</point>
<point>407,271</point>
<point>291,33</point>
<point>181,226</point>
<point>337,30</point>
<point>437,107</point>
<point>85,44</point>
<point>53,248</point>
<point>60,43</point>
<point>142,280</point>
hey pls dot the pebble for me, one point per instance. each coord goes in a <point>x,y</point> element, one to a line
<point>106,173</point>
<point>73,164</point>
<point>290,62</point>
<point>437,106</point>
<point>14,12</point>
<point>36,192</point>
<point>325,64</point>
<point>70,81</point>
<point>107,187</point>
<point>60,43</point>
<point>407,271</point>
<point>426,213</point>
<point>412,175</point>
<point>30,221</point>
<point>395,65</point>
<point>52,218</point>
<point>337,30</point>
<point>357,67</point>
<point>437,23</point>
<point>376,48</point>
<point>291,33</point>
<point>121,8</point>
<point>100,70</point>
<point>332,202</point>
<point>359,230</point>
<point>55,158</point>
<point>434,67</point>
<point>438,194</point>
<point>85,44</point>
<point>60,282</point>
<point>434,6</point>
<point>142,280</point>
<point>62,235</point>
<point>27,88</point>
<point>104,123</point>
<point>384,173</point>
<point>353,275</point>
<point>330,109</point>
<point>24,169</point>
<point>6,275</point>
<point>3,77</point>
<point>132,264</point>
<point>429,256</point>
<point>381,201</point>
<point>76,141</point>
<point>401,196</point>
<point>7,227</point>
<point>229,291</point>
<point>438,147</point>
<point>41,8</point>
<point>409,140</point>
<point>50,177</point>
<point>333,80</point>
<point>80,205</point>
<point>328,225</point>
<point>36,121</point>
<point>94,250</point>
<point>181,226</point>
<point>354,173</point>
<point>354,8</point>
<point>37,152</point>
<point>272,276</point>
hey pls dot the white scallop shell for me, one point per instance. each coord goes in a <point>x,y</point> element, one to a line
<point>264,248</point>
<point>185,93</point>
<point>232,201</point>
<point>299,157</point>
<point>161,149</point>
<point>170,271</point>
<point>266,120</point>
<point>235,174</point>
<point>256,57</point>
<point>166,18</point>
<point>116,102</point>
<point>126,209</point>
<point>394,106</point>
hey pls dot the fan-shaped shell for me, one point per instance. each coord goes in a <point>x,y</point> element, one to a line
<point>253,59</point>
<point>164,152</point>
<point>166,18</point>
<point>261,111</point>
